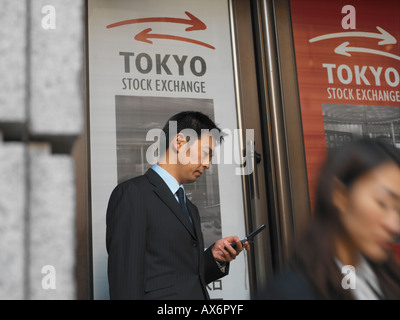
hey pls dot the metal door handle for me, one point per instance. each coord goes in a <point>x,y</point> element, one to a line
<point>252,159</point>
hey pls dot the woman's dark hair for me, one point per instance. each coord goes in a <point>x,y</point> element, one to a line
<point>314,254</point>
<point>194,120</point>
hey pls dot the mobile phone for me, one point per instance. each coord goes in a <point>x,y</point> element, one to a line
<point>250,236</point>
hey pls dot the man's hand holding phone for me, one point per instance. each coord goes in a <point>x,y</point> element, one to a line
<point>227,249</point>
<point>223,250</point>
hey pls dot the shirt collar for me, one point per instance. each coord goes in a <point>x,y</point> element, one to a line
<point>171,182</point>
<point>367,284</point>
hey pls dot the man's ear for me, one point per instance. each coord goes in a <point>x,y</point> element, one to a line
<point>178,142</point>
<point>340,195</point>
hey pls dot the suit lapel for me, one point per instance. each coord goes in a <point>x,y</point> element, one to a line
<point>196,222</point>
<point>165,194</point>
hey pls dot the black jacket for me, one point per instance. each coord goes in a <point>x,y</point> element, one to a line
<point>153,251</point>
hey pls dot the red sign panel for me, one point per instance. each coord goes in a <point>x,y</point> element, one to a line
<point>344,67</point>
<point>348,65</point>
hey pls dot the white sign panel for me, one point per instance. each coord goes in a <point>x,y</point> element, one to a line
<point>148,60</point>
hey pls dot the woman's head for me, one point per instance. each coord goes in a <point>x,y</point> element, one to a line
<point>358,195</point>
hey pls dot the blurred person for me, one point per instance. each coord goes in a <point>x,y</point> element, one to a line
<point>355,223</point>
<point>154,240</point>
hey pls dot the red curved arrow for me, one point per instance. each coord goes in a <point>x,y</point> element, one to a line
<point>145,35</point>
<point>196,24</point>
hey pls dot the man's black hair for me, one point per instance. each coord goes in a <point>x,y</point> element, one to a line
<point>194,120</point>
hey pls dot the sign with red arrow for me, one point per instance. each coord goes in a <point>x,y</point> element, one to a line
<point>148,60</point>
<point>194,22</point>
<point>144,35</point>
<point>384,36</point>
<point>344,49</point>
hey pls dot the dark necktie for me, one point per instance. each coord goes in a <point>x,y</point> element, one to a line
<point>181,197</point>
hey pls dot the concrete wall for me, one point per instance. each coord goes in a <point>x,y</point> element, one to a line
<point>41,117</point>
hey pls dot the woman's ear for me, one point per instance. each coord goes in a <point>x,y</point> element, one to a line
<point>340,195</point>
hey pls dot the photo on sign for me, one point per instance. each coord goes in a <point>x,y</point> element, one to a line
<point>345,123</point>
<point>135,116</point>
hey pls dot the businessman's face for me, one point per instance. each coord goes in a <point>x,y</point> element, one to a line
<point>195,157</point>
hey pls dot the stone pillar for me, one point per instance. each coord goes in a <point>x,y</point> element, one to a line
<point>13,61</point>
<point>12,220</point>
<point>52,225</point>
<point>56,61</point>
<point>41,116</point>
<point>12,154</point>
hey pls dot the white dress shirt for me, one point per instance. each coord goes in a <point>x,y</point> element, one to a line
<point>366,283</point>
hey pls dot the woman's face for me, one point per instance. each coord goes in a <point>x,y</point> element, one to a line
<point>370,211</point>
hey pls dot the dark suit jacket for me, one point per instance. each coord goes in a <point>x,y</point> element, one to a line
<point>153,251</point>
<point>294,284</point>
<point>289,285</point>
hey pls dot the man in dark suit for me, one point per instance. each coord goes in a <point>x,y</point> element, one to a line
<point>154,238</point>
